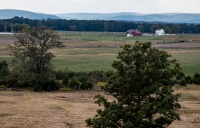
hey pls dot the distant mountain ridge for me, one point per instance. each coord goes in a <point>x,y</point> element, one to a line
<point>10,13</point>
<point>123,16</point>
<point>129,16</point>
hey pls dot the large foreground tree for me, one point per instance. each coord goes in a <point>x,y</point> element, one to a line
<point>142,87</point>
<point>32,47</point>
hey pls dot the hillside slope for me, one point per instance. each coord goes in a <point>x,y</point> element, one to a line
<point>163,17</point>
<point>10,13</point>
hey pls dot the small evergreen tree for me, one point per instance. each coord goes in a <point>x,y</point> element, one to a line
<point>142,87</point>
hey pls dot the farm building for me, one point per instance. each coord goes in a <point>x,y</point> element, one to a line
<point>159,32</point>
<point>133,32</point>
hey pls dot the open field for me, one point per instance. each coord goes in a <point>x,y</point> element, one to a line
<point>70,109</point>
<point>88,51</point>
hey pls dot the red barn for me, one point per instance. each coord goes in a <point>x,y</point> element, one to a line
<point>133,32</point>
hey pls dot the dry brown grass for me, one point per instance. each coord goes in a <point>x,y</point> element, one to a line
<point>190,107</point>
<point>27,109</point>
<point>69,109</point>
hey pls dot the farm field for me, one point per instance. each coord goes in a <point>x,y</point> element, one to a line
<point>89,51</point>
<point>70,109</point>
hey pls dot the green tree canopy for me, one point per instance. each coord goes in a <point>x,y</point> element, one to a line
<point>19,27</point>
<point>142,87</point>
<point>32,49</point>
<point>141,28</point>
<point>3,72</point>
<point>2,27</point>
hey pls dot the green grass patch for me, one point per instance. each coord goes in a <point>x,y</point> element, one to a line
<point>88,51</point>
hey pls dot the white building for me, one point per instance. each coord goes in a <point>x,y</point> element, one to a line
<point>159,32</point>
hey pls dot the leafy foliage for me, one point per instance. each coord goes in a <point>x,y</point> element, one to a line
<point>31,49</point>
<point>3,72</point>
<point>142,87</point>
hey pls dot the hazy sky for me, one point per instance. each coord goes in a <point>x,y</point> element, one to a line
<point>103,6</point>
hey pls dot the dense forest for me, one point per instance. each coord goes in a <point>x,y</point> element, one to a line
<point>18,23</point>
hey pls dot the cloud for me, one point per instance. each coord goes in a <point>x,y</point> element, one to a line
<point>140,6</point>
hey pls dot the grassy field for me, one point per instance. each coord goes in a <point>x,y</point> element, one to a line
<point>70,109</point>
<point>88,51</point>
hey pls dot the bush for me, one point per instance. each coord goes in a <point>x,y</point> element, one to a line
<point>83,86</point>
<point>86,85</point>
<point>109,73</point>
<point>65,79</point>
<point>12,82</point>
<point>196,78</point>
<point>196,75</point>
<point>74,83</point>
<point>50,85</point>
<point>182,82</point>
<point>188,78</point>
<point>60,75</point>
<point>89,85</point>
<point>180,76</point>
<point>190,81</point>
<point>37,88</point>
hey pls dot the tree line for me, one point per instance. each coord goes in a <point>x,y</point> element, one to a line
<point>18,23</point>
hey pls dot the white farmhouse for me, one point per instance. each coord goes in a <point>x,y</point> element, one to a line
<point>159,32</point>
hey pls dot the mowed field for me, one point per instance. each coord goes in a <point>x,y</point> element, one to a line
<point>88,51</point>
<point>70,109</point>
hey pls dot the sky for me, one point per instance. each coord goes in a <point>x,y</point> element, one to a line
<point>103,6</point>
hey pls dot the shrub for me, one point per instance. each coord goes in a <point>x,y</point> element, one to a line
<point>182,82</point>
<point>65,79</point>
<point>190,81</point>
<point>195,81</point>
<point>86,85</point>
<point>188,78</point>
<point>196,75</point>
<point>196,78</point>
<point>12,82</point>
<point>74,83</point>
<point>37,88</point>
<point>83,86</point>
<point>50,85</point>
<point>60,75</point>
<point>180,76</point>
<point>89,85</point>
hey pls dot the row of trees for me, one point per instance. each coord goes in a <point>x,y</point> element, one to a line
<point>13,27</point>
<point>96,25</point>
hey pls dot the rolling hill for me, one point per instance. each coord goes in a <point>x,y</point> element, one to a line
<point>123,16</point>
<point>10,13</point>
<point>129,16</point>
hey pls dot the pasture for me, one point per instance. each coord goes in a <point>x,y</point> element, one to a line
<point>70,109</point>
<point>88,51</point>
